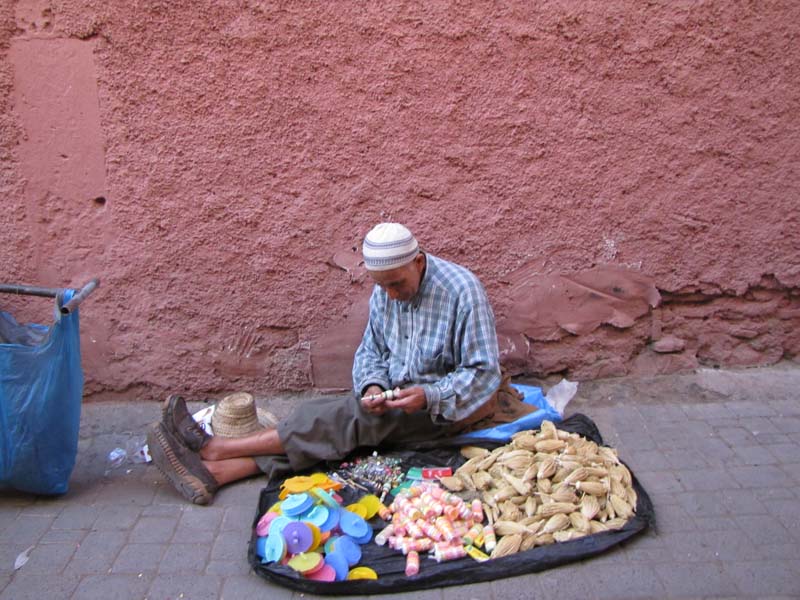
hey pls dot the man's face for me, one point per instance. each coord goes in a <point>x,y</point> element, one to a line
<point>402,283</point>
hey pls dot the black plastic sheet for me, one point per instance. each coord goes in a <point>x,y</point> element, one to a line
<point>390,564</point>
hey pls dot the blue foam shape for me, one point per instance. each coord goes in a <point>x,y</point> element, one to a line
<point>332,520</point>
<point>366,538</point>
<point>350,548</point>
<point>339,563</point>
<point>260,544</point>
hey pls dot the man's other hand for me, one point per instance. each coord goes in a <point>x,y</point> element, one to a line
<point>374,407</point>
<point>409,400</point>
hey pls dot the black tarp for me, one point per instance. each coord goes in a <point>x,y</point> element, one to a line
<point>390,564</point>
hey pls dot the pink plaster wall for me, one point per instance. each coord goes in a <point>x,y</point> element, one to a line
<point>621,175</point>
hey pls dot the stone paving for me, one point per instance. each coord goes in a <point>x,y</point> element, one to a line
<point>717,450</point>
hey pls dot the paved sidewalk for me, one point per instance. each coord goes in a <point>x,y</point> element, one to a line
<point>717,450</point>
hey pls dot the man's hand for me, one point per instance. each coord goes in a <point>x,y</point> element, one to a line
<point>374,407</point>
<point>409,400</point>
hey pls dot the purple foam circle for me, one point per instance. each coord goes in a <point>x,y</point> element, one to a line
<point>298,536</point>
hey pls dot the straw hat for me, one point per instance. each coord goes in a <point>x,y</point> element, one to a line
<point>236,415</point>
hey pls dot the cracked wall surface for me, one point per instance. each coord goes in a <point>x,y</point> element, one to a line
<point>621,176</point>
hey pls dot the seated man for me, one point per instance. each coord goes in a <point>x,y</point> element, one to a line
<point>430,339</point>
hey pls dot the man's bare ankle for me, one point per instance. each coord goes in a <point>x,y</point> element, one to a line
<point>208,451</point>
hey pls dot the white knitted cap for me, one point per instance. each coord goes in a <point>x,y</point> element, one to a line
<point>389,246</point>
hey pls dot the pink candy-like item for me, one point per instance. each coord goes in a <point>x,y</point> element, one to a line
<point>473,534</point>
<point>477,511</point>
<point>384,534</point>
<point>400,529</point>
<point>446,527</point>
<point>430,530</point>
<point>414,530</point>
<point>427,518</point>
<point>414,491</point>
<point>439,547</point>
<point>465,512</point>
<point>462,527</point>
<point>416,545</point>
<point>450,553</point>
<point>451,498</point>
<point>490,540</point>
<point>412,564</point>
<point>451,512</point>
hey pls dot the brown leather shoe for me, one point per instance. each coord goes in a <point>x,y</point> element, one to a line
<point>180,423</point>
<point>183,468</point>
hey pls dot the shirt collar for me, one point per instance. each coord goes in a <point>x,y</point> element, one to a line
<point>425,282</point>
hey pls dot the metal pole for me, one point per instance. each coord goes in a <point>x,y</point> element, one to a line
<point>30,290</point>
<point>80,296</point>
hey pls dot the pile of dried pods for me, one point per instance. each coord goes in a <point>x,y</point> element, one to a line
<point>546,486</point>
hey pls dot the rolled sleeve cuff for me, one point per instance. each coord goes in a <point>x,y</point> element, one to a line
<point>434,399</point>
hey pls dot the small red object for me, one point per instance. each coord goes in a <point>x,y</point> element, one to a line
<point>435,473</point>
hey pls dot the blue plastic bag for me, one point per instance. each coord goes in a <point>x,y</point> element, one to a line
<point>531,395</point>
<point>41,386</point>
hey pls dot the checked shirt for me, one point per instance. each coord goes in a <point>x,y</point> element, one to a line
<point>444,340</point>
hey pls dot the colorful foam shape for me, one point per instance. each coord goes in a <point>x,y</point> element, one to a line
<point>298,536</point>
<point>274,548</point>
<point>317,515</point>
<point>366,538</point>
<point>362,573</point>
<point>296,504</point>
<point>317,536</point>
<point>332,520</point>
<point>324,497</point>
<point>326,573</point>
<point>353,525</point>
<point>279,523</point>
<point>357,509</point>
<point>262,528</point>
<point>330,544</point>
<point>338,561</point>
<point>319,479</point>
<point>307,562</point>
<point>260,541</point>
<point>296,485</point>
<point>350,548</point>
<point>372,503</point>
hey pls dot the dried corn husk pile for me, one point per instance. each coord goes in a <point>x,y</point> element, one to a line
<point>546,486</point>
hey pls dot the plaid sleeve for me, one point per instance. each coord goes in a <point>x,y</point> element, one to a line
<point>371,362</point>
<point>477,375</point>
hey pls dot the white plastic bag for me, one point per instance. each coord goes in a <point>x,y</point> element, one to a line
<point>560,394</point>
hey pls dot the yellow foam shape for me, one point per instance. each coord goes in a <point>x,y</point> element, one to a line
<point>358,509</point>
<point>372,503</point>
<point>296,485</point>
<point>362,573</point>
<point>317,535</point>
<point>305,562</point>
